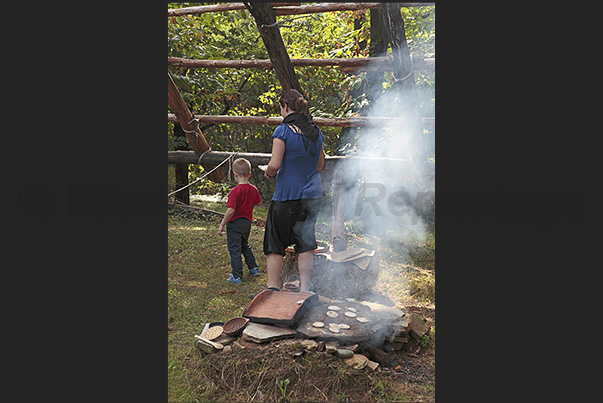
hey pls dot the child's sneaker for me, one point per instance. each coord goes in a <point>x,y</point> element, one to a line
<point>254,272</point>
<point>234,280</point>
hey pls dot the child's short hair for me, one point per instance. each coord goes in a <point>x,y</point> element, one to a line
<point>242,167</point>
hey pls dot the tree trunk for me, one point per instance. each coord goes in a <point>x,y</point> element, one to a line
<point>265,19</point>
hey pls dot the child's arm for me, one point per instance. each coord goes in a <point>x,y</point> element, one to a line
<point>227,216</point>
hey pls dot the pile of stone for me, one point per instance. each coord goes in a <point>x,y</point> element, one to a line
<point>363,344</point>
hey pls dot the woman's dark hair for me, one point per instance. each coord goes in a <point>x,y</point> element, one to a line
<point>294,100</point>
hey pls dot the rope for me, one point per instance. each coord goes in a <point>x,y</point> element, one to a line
<point>412,69</point>
<point>204,175</point>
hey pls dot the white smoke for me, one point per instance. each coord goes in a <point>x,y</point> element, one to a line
<point>385,189</point>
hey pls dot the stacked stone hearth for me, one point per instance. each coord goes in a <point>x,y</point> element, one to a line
<point>360,344</point>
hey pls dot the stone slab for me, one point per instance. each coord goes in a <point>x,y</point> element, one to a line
<point>263,333</point>
<point>418,326</point>
<point>384,312</point>
<point>358,361</point>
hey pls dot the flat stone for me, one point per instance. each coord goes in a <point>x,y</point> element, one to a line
<point>418,326</point>
<point>331,346</point>
<point>309,344</point>
<point>401,326</point>
<point>352,347</point>
<point>344,353</point>
<point>372,365</point>
<point>384,312</point>
<point>263,333</point>
<point>358,361</point>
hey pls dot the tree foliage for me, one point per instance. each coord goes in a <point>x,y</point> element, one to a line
<point>254,92</point>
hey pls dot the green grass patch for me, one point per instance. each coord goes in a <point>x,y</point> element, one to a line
<point>198,265</point>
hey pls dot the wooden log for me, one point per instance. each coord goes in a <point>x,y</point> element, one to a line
<point>286,8</point>
<point>378,355</point>
<point>184,116</point>
<point>323,7</point>
<point>175,12</point>
<point>404,80</point>
<point>360,121</point>
<point>216,157</point>
<point>346,64</point>
<point>265,19</point>
<point>338,240</point>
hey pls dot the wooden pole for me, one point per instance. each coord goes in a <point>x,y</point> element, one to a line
<point>181,170</point>
<point>360,121</point>
<point>404,79</point>
<point>216,157</point>
<point>324,7</point>
<point>346,64</point>
<point>265,19</point>
<point>175,12</point>
<point>287,8</point>
<point>184,116</point>
<point>338,240</point>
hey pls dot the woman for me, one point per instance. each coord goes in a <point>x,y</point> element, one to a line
<point>297,156</point>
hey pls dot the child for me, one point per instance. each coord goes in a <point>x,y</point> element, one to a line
<point>241,200</point>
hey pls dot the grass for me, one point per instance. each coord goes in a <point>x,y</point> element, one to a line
<point>198,265</point>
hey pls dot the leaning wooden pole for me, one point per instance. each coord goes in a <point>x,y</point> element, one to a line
<point>265,19</point>
<point>193,134</point>
<point>404,80</point>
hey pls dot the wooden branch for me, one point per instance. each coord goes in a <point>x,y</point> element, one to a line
<point>346,64</point>
<point>329,122</point>
<point>184,116</point>
<point>174,12</point>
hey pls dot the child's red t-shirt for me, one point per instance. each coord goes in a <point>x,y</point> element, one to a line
<point>242,198</point>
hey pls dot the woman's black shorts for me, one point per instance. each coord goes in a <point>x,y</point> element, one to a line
<point>291,222</point>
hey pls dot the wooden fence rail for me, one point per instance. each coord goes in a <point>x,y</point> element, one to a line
<point>287,8</point>
<point>346,64</point>
<point>331,122</point>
